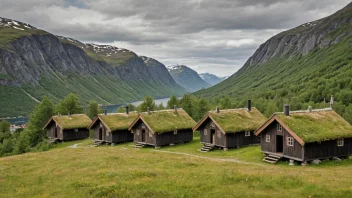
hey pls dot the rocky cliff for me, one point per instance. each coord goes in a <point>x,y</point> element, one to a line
<point>34,63</point>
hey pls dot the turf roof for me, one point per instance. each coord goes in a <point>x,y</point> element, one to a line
<point>72,122</point>
<point>238,120</point>
<point>118,121</point>
<point>168,120</point>
<point>318,125</point>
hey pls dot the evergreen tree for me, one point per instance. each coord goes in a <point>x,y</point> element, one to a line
<point>225,103</point>
<point>172,102</point>
<point>186,104</point>
<point>202,108</point>
<point>93,109</point>
<point>348,114</point>
<point>70,104</point>
<point>4,130</point>
<point>148,102</point>
<point>161,106</point>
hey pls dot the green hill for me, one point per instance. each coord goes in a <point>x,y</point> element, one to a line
<point>308,63</point>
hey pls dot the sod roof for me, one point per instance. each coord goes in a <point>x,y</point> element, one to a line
<point>118,121</point>
<point>237,120</point>
<point>71,122</point>
<point>167,120</point>
<point>318,125</point>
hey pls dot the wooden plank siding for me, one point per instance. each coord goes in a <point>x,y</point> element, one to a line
<point>67,134</point>
<point>327,149</point>
<point>160,139</point>
<point>225,140</point>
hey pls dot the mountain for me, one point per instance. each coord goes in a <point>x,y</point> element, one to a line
<point>211,78</point>
<point>307,63</point>
<point>187,78</point>
<point>35,63</point>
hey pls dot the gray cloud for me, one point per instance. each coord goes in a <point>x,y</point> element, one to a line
<point>207,35</point>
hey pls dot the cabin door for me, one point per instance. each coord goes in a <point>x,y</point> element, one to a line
<point>279,143</point>
<point>100,133</point>
<point>143,135</point>
<point>212,136</point>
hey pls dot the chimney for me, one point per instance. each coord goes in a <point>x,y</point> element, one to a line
<point>127,110</point>
<point>286,110</point>
<point>249,105</point>
<point>69,113</point>
<point>175,108</point>
<point>148,110</point>
<point>331,101</point>
<point>217,110</point>
<point>105,112</point>
<point>310,109</point>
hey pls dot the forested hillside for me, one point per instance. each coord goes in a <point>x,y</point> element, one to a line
<point>302,66</point>
<point>35,63</point>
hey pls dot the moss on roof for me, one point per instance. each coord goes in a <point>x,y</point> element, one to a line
<point>118,121</point>
<point>73,121</point>
<point>319,125</point>
<point>237,120</point>
<point>168,120</point>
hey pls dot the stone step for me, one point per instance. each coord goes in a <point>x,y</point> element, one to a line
<point>271,162</point>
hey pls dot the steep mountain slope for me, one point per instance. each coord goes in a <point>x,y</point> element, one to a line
<point>307,63</point>
<point>34,63</point>
<point>211,78</point>
<point>187,78</point>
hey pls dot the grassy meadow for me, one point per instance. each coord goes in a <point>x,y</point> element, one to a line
<point>175,171</point>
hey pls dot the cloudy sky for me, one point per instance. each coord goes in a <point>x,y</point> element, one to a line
<point>215,36</point>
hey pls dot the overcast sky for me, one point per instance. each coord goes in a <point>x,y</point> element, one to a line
<point>215,36</point>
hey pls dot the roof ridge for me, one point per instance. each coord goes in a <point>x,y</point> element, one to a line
<point>79,114</point>
<point>118,113</point>
<point>307,111</point>
<point>232,109</point>
<point>164,110</point>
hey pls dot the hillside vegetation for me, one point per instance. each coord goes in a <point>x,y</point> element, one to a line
<point>123,171</point>
<point>302,66</point>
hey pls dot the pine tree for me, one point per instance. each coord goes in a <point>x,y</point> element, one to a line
<point>225,103</point>
<point>172,102</point>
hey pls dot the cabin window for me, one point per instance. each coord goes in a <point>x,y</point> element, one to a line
<point>137,131</point>
<point>76,130</point>
<point>267,138</point>
<point>340,142</point>
<point>107,133</point>
<point>150,134</point>
<point>279,127</point>
<point>212,125</point>
<point>101,126</point>
<point>205,132</point>
<point>289,141</point>
<point>219,134</point>
<point>143,126</point>
<point>247,133</point>
<point>175,132</point>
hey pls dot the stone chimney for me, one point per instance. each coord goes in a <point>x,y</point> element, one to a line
<point>175,108</point>
<point>148,110</point>
<point>286,110</point>
<point>69,113</point>
<point>127,110</point>
<point>217,110</point>
<point>249,105</point>
<point>331,101</point>
<point>105,112</point>
<point>310,109</point>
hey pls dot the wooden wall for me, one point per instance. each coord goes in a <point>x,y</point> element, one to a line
<point>327,149</point>
<point>117,136</point>
<point>71,134</point>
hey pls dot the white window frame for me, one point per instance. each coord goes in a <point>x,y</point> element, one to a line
<point>212,125</point>
<point>247,134</point>
<point>340,142</point>
<point>279,127</point>
<point>205,131</point>
<point>289,141</point>
<point>219,134</point>
<point>267,138</point>
<point>76,130</point>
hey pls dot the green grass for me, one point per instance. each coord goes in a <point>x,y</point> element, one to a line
<point>122,171</point>
<point>10,34</point>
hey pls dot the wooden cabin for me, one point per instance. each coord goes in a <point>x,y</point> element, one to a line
<point>68,127</point>
<point>305,135</point>
<point>113,128</point>
<point>160,128</point>
<point>229,128</point>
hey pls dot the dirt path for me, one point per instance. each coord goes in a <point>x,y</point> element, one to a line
<point>211,158</point>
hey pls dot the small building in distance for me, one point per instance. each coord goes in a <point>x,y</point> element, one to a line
<point>113,128</point>
<point>305,135</point>
<point>160,128</point>
<point>229,128</point>
<point>68,127</point>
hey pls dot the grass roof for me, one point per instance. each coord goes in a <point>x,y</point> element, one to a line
<point>118,121</point>
<point>168,120</point>
<point>318,125</point>
<point>237,120</point>
<point>73,121</point>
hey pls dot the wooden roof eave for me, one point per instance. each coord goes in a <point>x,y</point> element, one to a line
<point>93,122</point>
<point>52,119</point>
<point>136,120</point>
<point>273,118</point>
<point>195,128</point>
<point>217,124</point>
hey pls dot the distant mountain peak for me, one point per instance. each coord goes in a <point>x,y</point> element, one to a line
<point>9,23</point>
